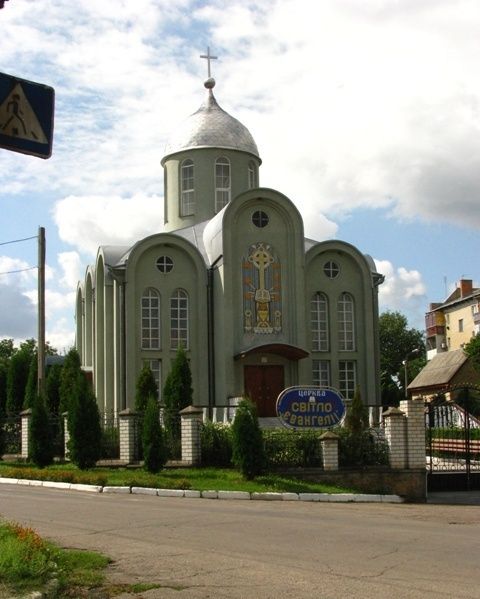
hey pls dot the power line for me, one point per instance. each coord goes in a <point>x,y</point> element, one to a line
<point>12,272</point>
<point>18,240</point>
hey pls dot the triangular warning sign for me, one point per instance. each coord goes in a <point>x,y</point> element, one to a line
<point>17,118</point>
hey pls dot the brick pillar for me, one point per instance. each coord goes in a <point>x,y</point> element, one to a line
<point>191,430</point>
<point>127,425</point>
<point>415,412</point>
<point>329,442</point>
<point>66,434</point>
<point>25,416</point>
<point>395,434</point>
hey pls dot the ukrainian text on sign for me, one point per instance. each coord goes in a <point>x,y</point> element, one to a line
<point>310,407</point>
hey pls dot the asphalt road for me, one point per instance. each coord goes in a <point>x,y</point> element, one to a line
<point>199,548</point>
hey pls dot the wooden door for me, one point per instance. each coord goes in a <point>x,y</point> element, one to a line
<point>263,384</point>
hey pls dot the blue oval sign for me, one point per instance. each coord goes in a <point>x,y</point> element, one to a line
<point>310,407</point>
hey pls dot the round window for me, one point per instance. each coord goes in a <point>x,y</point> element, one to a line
<point>331,269</point>
<point>164,264</point>
<point>260,219</point>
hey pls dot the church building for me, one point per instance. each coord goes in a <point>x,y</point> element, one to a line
<point>232,279</point>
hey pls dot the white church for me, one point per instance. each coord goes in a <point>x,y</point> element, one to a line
<point>232,279</point>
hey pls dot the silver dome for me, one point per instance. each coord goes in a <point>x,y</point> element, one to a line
<point>211,126</point>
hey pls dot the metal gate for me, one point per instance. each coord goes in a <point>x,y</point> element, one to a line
<point>453,441</point>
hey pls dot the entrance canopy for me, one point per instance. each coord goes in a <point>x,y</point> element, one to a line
<point>291,352</point>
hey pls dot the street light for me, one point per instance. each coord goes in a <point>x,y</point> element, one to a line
<point>405,362</point>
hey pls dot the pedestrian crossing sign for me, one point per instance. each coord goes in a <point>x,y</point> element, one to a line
<point>26,116</point>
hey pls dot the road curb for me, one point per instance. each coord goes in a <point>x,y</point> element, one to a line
<point>214,494</point>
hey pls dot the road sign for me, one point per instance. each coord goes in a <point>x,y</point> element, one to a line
<point>26,116</point>
<point>310,407</point>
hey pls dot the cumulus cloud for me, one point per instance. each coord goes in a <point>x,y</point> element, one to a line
<point>402,290</point>
<point>89,221</point>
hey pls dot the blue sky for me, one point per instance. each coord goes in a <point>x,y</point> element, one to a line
<point>366,114</point>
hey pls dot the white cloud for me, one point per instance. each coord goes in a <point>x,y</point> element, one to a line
<point>86,222</point>
<point>71,265</point>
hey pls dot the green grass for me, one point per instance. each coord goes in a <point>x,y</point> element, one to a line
<point>201,479</point>
<point>27,562</point>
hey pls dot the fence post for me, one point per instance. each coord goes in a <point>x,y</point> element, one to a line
<point>66,434</point>
<point>395,434</point>
<point>415,412</point>
<point>191,434</point>
<point>127,424</point>
<point>25,416</point>
<point>329,442</point>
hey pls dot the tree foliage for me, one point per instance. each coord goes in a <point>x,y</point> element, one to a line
<point>32,382</point>
<point>52,388</point>
<point>397,343</point>
<point>177,393</point>
<point>83,423</point>
<point>154,449</point>
<point>356,419</point>
<point>68,379</point>
<point>17,379</point>
<point>146,387</point>
<point>247,441</point>
<point>3,389</point>
<point>472,349</point>
<point>40,440</point>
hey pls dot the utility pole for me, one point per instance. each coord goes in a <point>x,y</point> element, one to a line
<point>41,310</point>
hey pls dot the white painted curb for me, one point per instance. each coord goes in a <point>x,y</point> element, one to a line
<point>124,490</point>
<point>233,495</point>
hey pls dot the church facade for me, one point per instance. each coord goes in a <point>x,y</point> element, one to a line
<point>232,279</point>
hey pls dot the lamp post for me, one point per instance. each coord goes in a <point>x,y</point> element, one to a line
<point>405,362</point>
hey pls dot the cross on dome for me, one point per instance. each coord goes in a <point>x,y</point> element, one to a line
<point>209,57</point>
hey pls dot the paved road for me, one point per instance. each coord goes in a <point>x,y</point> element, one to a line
<point>201,548</point>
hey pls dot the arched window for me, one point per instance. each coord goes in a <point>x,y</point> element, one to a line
<point>150,319</point>
<point>179,320</point>
<point>252,175</point>
<point>346,323</point>
<point>187,201</point>
<point>319,322</point>
<point>222,183</point>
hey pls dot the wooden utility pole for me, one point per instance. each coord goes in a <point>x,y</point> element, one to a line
<point>41,310</point>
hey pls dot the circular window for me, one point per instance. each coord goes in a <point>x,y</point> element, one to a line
<point>164,264</point>
<point>260,219</point>
<point>331,269</point>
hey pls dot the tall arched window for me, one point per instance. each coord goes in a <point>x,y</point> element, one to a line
<point>319,322</point>
<point>179,336</point>
<point>222,183</point>
<point>252,175</point>
<point>346,323</point>
<point>150,319</point>
<point>187,200</point>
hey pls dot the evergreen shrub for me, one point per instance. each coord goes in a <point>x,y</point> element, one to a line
<point>177,395</point>
<point>154,451</point>
<point>216,444</point>
<point>364,449</point>
<point>146,387</point>
<point>288,448</point>
<point>31,387</point>
<point>84,445</point>
<point>248,450</point>
<point>40,441</point>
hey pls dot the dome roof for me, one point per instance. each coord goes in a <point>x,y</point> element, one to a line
<point>211,126</point>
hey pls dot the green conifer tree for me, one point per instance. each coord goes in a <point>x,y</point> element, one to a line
<point>146,387</point>
<point>40,440</point>
<point>84,445</point>
<point>52,388</point>
<point>31,387</point>
<point>356,420</point>
<point>17,380</point>
<point>154,449</point>
<point>71,371</point>
<point>247,441</point>
<point>177,394</point>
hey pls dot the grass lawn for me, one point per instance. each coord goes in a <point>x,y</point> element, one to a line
<point>201,479</point>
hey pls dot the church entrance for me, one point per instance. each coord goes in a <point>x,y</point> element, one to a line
<point>263,384</point>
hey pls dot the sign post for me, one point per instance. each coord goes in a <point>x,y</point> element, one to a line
<point>311,407</point>
<point>26,116</point>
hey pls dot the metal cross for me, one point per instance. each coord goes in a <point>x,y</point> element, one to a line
<point>209,57</point>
